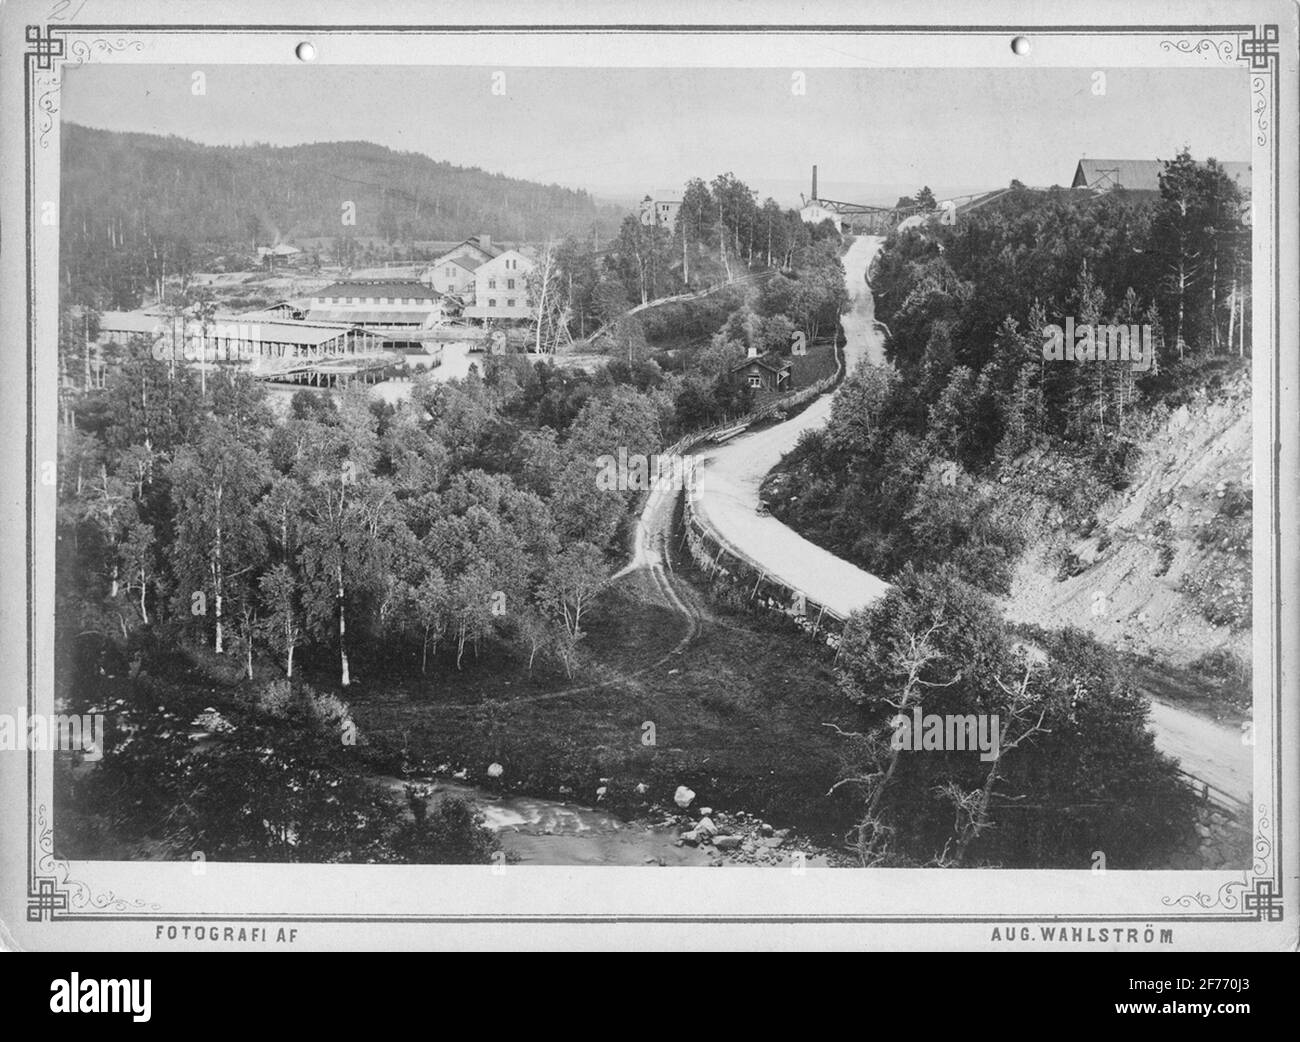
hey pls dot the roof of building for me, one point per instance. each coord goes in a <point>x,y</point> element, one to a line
<point>276,330</point>
<point>388,273</point>
<point>492,249</point>
<point>130,322</point>
<point>302,333</point>
<point>775,364</point>
<point>519,250</point>
<point>275,310</point>
<point>462,262</point>
<point>378,288</point>
<point>234,327</point>
<point>1140,175</point>
<point>280,249</point>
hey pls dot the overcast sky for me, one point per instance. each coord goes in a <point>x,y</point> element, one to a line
<point>620,132</point>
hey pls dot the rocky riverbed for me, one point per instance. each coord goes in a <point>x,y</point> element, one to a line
<point>539,831</point>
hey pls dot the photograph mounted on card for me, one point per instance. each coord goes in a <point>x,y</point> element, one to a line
<point>471,479</point>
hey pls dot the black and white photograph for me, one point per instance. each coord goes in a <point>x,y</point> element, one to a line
<point>473,475</point>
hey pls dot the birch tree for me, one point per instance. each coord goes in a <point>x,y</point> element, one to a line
<point>346,514</point>
<point>550,309</point>
<point>283,628</point>
<point>217,486</point>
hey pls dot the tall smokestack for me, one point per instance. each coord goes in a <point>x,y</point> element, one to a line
<point>814,192</point>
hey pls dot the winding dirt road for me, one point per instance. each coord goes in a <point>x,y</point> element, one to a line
<point>1206,749</point>
<point>730,475</point>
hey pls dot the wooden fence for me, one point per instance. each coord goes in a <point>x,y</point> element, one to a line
<point>727,566</point>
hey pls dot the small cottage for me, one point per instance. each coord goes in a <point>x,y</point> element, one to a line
<point>769,373</point>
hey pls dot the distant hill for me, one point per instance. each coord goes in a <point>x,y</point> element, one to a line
<point>213,193</point>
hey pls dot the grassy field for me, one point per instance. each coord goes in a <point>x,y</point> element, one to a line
<point>807,369</point>
<point>738,717</point>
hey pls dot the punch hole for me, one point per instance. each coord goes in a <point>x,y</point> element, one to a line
<point>305,51</point>
<point>1020,46</point>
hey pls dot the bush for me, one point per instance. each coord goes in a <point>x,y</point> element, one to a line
<point>1226,665</point>
<point>1230,530</point>
<point>1163,533</point>
<point>1221,591</point>
<point>448,831</point>
<point>1068,564</point>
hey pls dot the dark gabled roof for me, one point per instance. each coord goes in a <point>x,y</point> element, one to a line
<point>1140,175</point>
<point>494,249</point>
<point>271,309</point>
<point>467,265</point>
<point>379,288</point>
<point>772,363</point>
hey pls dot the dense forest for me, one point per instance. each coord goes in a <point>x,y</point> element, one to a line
<point>344,531</point>
<point>136,207</point>
<point>722,235</point>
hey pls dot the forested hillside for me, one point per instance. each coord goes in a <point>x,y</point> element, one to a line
<point>145,202</point>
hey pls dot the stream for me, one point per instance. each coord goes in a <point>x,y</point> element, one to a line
<point>535,831</point>
<point>546,832</point>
